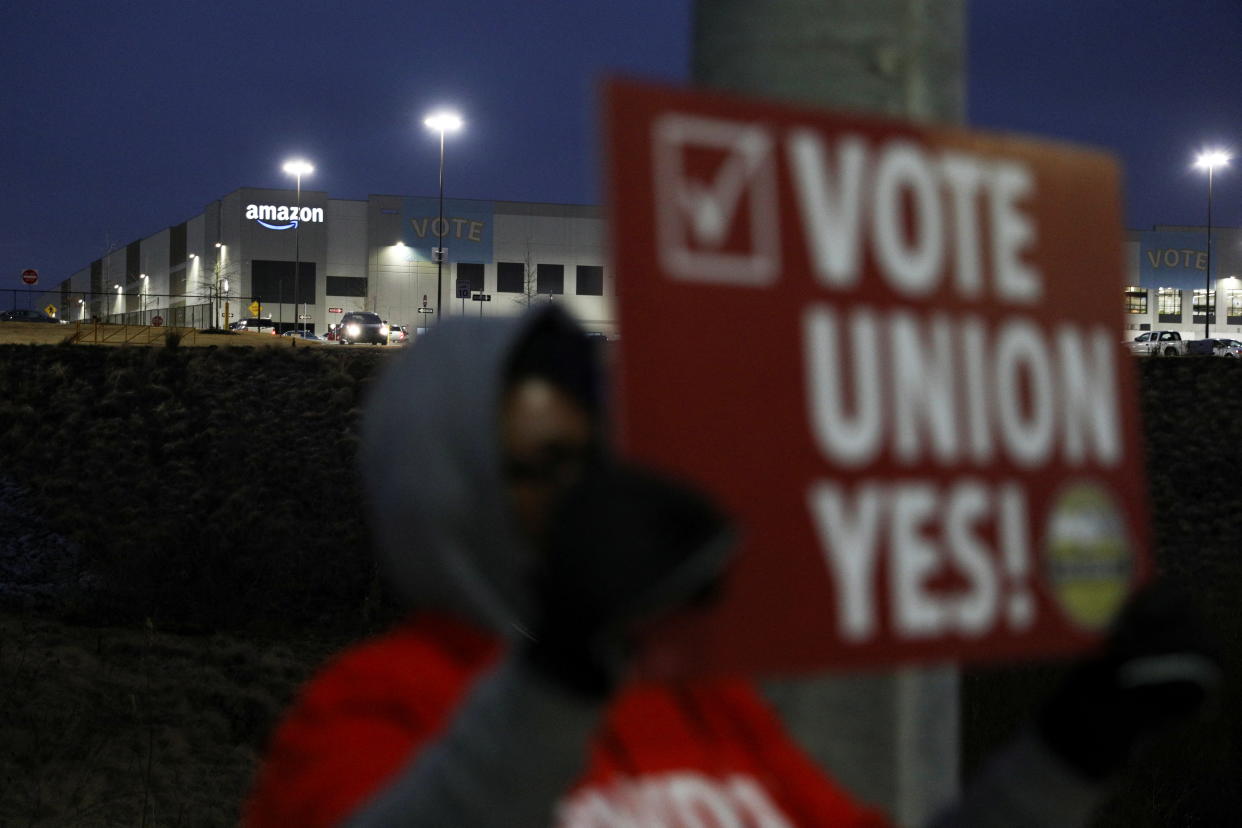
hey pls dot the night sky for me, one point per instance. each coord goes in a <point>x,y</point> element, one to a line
<point>121,119</point>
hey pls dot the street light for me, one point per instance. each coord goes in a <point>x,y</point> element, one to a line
<point>297,168</point>
<point>1209,160</point>
<point>441,122</point>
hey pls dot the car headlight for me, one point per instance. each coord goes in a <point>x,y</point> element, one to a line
<point>383,330</point>
<point>352,330</point>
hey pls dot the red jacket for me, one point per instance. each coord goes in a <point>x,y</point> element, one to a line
<point>705,754</point>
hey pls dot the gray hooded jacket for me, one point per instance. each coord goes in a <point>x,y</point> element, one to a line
<point>449,541</point>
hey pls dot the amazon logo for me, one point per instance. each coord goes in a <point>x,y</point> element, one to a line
<point>282,217</point>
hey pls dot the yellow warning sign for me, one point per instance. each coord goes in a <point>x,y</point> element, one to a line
<point>50,310</point>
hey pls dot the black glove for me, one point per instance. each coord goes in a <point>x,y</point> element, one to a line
<point>1156,667</point>
<point>625,545</point>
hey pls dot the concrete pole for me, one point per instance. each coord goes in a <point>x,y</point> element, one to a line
<point>891,738</point>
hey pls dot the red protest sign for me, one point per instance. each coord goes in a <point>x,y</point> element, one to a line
<point>892,352</point>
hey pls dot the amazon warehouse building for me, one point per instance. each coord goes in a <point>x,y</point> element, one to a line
<point>237,259</point>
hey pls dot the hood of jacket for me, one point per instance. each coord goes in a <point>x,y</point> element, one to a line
<point>432,470</point>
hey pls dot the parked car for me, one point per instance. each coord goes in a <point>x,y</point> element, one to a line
<point>303,335</point>
<point>1214,347</point>
<point>362,326</point>
<point>22,315</point>
<point>1158,343</point>
<point>1200,347</point>
<point>252,324</point>
<point>1228,348</point>
<point>398,334</point>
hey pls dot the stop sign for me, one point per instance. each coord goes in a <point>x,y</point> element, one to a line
<point>30,276</point>
<point>157,321</point>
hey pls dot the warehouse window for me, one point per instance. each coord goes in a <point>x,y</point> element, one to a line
<point>347,286</point>
<point>1203,311</point>
<point>471,272</point>
<point>590,280</point>
<point>510,277</point>
<point>551,278</point>
<point>1136,300</point>
<point>272,280</point>
<point>133,261</point>
<point>1233,307</point>
<point>1169,305</point>
<point>176,244</point>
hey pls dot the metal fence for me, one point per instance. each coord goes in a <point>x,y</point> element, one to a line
<point>120,308</point>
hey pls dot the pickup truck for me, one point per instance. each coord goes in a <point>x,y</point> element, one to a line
<point>1158,343</point>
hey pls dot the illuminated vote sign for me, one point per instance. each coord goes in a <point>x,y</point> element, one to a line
<point>466,229</point>
<point>1174,260</point>
<point>283,217</point>
<point>892,353</point>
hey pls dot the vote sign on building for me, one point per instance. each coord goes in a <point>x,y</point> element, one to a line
<point>892,352</point>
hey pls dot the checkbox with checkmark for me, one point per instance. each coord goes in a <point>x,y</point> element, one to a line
<point>716,200</point>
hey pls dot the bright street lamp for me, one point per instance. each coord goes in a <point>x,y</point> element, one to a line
<point>297,168</point>
<point>441,122</point>
<point>1209,160</point>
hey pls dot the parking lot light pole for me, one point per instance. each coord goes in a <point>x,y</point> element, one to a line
<point>297,168</point>
<point>1209,161</point>
<point>441,122</point>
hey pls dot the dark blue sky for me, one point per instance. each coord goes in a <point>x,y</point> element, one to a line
<point>119,119</point>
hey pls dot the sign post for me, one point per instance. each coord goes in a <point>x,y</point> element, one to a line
<point>481,298</point>
<point>890,352</point>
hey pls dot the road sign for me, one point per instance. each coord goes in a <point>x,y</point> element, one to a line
<point>254,308</point>
<point>463,288</point>
<point>157,321</point>
<point>482,297</point>
<point>426,310</point>
<point>30,276</point>
<point>424,300</point>
<point>933,451</point>
<point>50,310</point>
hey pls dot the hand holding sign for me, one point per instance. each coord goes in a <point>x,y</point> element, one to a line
<point>890,352</point>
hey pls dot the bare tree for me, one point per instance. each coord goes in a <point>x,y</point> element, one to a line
<point>530,294</point>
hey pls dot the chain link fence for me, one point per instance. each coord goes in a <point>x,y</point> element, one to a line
<point>120,308</point>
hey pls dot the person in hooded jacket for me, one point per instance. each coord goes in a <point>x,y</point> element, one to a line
<point>531,557</point>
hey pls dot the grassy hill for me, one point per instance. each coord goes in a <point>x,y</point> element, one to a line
<point>181,545</point>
